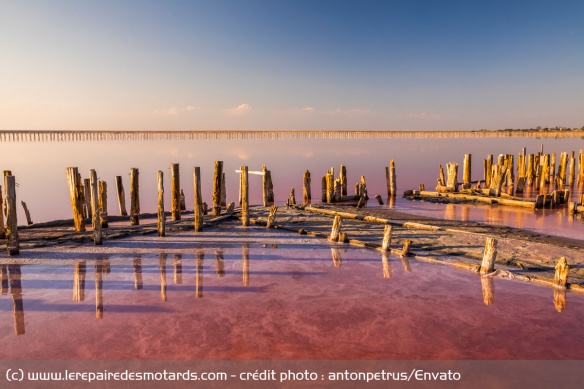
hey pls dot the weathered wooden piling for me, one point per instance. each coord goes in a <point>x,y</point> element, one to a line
<point>392,178</point>
<point>96,219</point>
<point>86,193</point>
<point>562,170</point>
<point>223,191</point>
<point>363,187</point>
<point>76,198</point>
<point>2,224</point>
<point>530,174</point>
<point>343,237</point>
<point>244,197</point>
<point>183,205</point>
<point>198,201</point>
<point>121,196</point>
<point>387,183</point>
<point>161,225</point>
<point>406,248</point>
<point>561,274</point>
<point>205,208</point>
<point>134,197</point>
<point>337,190</point>
<point>217,177</point>
<point>386,238</point>
<point>292,197</point>
<point>488,165</point>
<point>379,200</point>
<point>581,167</point>
<point>497,178</point>
<point>330,188</point>
<point>323,186</point>
<point>334,236</point>
<point>452,171</point>
<point>510,174</point>
<point>175,191</point>
<point>12,239</point>
<point>489,256</point>
<point>343,178</point>
<point>306,188</point>
<point>26,213</point>
<point>102,200</point>
<point>466,172</point>
<point>272,217</point>
<point>572,174</point>
<point>441,179</point>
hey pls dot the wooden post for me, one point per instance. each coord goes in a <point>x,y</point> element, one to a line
<point>244,197</point>
<point>510,174</point>
<point>183,205</point>
<point>466,175</point>
<point>175,191</point>
<point>272,217</point>
<point>87,197</point>
<point>343,177</point>
<point>134,197</point>
<point>406,248</point>
<point>306,188</point>
<point>26,213</point>
<point>343,238</point>
<point>217,177</point>
<point>363,187</point>
<point>379,200</point>
<point>530,174</point>
<point>96,219</point>
<point>386,237</point>
<point>336,229</point>
<point>205,208</point>
<point>392,178</point>
<point>223,191</point>
<point>292,197</point>
<point>121,196</point>
<point>12,240</point>
<point>497,177</point>
<point>161,226</point>
<point>561,275</point>
<point>198,201</point>
<point>2,225</point>
<point>230,208</point>
<point>337,190</point>
<point>489,170</point>
<point>452,171</point>
<point>76,201</point>
<point>572,174</point>
<point>387,182</point>
<point>329,188</point>
<point>489,256</point>
<point>324,192</point>
<point>553,165</point>
<point>265,186</point>
<point>102,187</point>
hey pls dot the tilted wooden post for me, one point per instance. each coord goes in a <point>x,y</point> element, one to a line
<point>217,177</point>
<point>336,229</point>
<point>386,237</point>
<point>466,172</point>
<point>379,200</point>
<point>198,202</point>
<point>306,188</point>
<point>175,191</point>
<point>102,187</point>
<point>76,201</point>
<point>272,217</point>
<point>265,186</point>
<point>406,248</point>
<point>95,220</point>
<point>562,271</point>
<point>392,178</point>
<point>134,197</point>
<point>12,240</point>
<point>244,197</point>
<point>26,213</point>
<point>489,256</point>
<point>161,225</point>
<point>121,196</point>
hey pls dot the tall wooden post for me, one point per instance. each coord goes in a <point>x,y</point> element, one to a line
<point>466,173</point>
<point>306,188</point>
<point>175,191</point>
<point>387,183</point>
<point>324,191</point>
<point>244,197</point>
<point>530,174</point>
<point>217,177</point>
<point>134,197</point>
<point>121,196</point>
<point>76,201</point>
<point>2,225</point>
<point>200,259</point>
<point>96,219</point>
<point>87,197</point>
<point>386,238</point>
<point>265,186</point>
<point>489,170</point>
<point>489,256</point>
<point>223,191</point>
<point>102,187</point>
<point>12,240</point>
<point>330,188</point>
<point>572,174</point>
<point>392,178</point>
<point>198,202</point>
<point>161,225</point>
<point>452,170</point>
<point>343,177</point>
<point>98,270</point>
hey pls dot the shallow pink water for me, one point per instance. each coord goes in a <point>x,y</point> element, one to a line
<point>292,303</point>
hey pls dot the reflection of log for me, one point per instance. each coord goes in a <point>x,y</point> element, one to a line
<point>177,269</point>
<point>12,242</point>
<point>161,226</point>
<point>199,258</point>
<point>219,263</point>
<point>386,265</point>
<point>199,210</point>
<point>79,271</point>
<point>96,218</point>
<point>76,198</point>
<point>406,264</point>
<point>121,196</point>
<point>17,303</point>
<point>98,271</point>
<point>488,286</point>
<point>162,268</point>
<point>337,260</point>
<point>175,191</point>
<point>137,264</point>
<point>560,301</point>
<point>489,256</point>
<point>134,197</point>
<point>245,264</point>
<point>561,275</point>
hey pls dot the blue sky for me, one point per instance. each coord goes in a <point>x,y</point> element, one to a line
<point>269,65</point>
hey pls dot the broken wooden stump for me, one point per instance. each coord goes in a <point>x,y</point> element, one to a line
<point>489,256</point>
<point>379,200</point>
<point>26,213</point>
<point>217,178</point>
<point>272,217</point>
<point>406,248</point>
<point>561,274</point>
<point>392,178</point>
<point>452,171</point>
<point>174,191</point>
<point>75,190</point>
<point>306,188</point>
<point>334,236</point>
<point>244,197</point>
<point>343,238</point>
<point>343,178</point>
<point>121,196</point>
<point>292,197</point>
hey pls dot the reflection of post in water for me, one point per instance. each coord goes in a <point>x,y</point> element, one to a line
<point>178,269</point>
<point>488,286</point>
<point>79,270</point>
<point>450,211</point>
<point>337,260</point>
<point>4,277</point>
<point>391,202</point>
<point>560,301</point>
<point>465,209</point>
<point>162,266</point>
<point>17,304</point>
<point>245,264</point>
<point>138,283</point>
<point>99,270</point>
<point>386,264</point>
<point>406,263</point>
<point>219,263</point>
<point>200,258</point>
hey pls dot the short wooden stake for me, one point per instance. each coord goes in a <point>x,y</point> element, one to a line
<point>76,198</point>
<point>134,197</point>
<point>102,200</point>
<point>441,179</point>
<point>12,239</point>
<point>26,213</point>
<point>96,219</point>
<point>183,205</point>
<point>452,170</point>
<point>379,200</point>
<point>244,197</point>
<point>466,172</point>
<point>217,178</point>
<point>230,208</point>
<point>121,196</point>
<point>272,217</point>
<point>306,188</point>
<point>343,238</point>
<point>292,197</point>
<point>175,191</point>
<point>406,248</point>
<point>363,187</point>
<point>161,226</point>
<point>205,208</point>
<point>334,236</point>
<point>561,275</point>
<point>489,256</point>
<point>386,238</point>
<point>199,210</point>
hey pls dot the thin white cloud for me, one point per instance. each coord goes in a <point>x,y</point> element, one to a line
<point>353,112</point>
<point>173,111</point>
<point>241,109</point>
<point>308,109</point>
